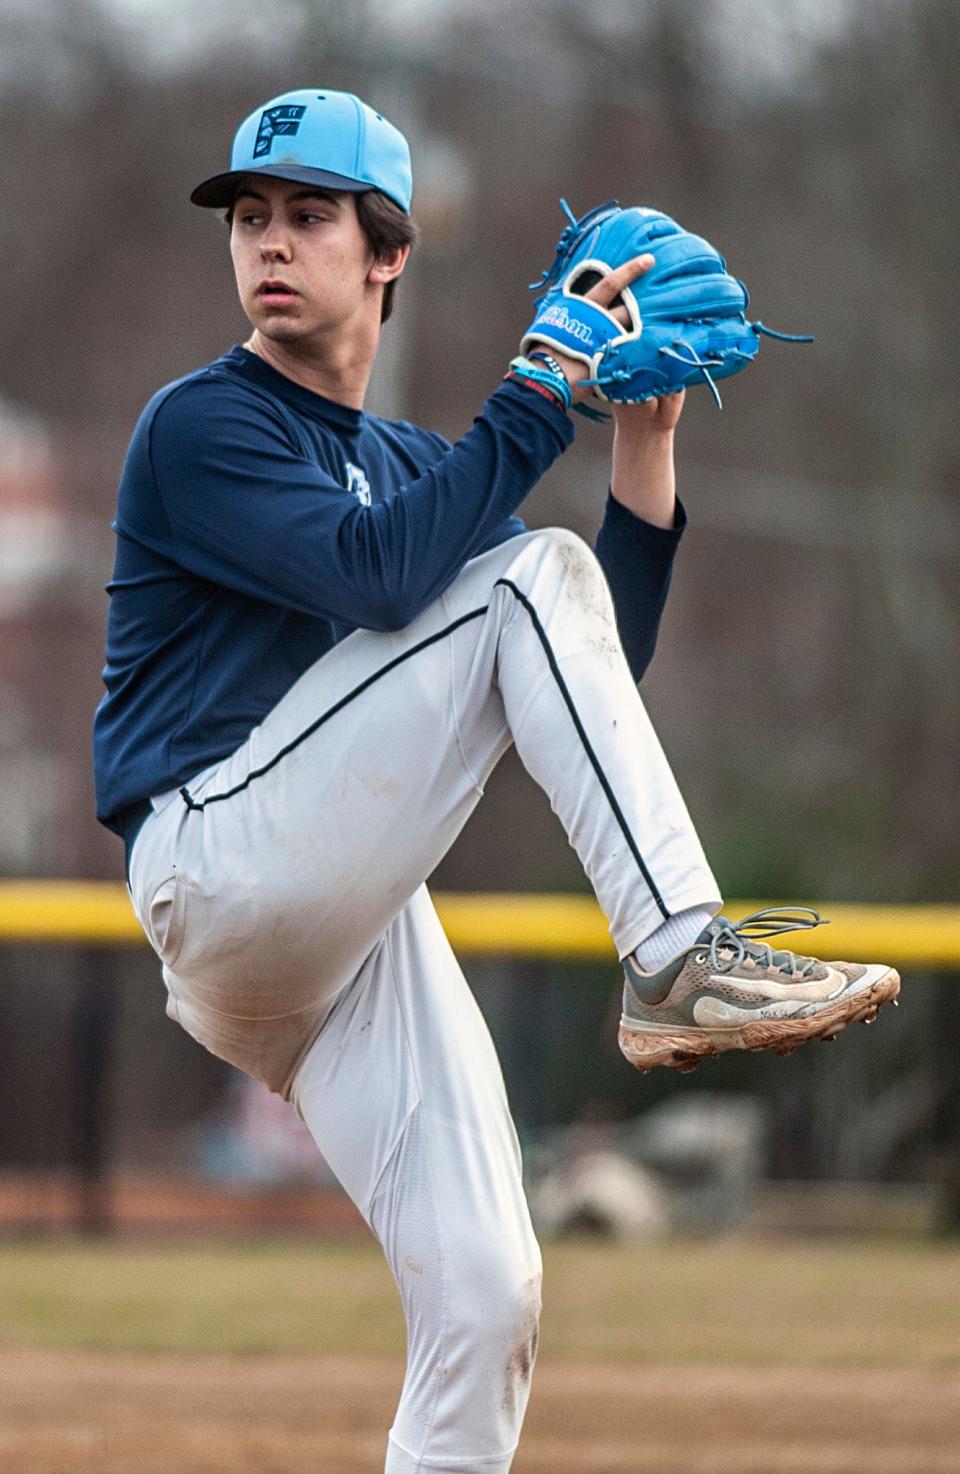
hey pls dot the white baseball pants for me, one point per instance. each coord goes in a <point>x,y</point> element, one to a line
<point>284,891</point>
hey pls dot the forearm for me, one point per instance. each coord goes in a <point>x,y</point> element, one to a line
<point>643,478</point>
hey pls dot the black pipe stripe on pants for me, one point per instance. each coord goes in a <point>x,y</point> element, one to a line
<point>216,798</point>
<point>618,813</point>
<point>371,680</point>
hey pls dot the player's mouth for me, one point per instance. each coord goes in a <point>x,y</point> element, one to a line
<point>276,293</point>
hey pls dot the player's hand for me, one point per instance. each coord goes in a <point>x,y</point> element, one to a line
<point>653,414</point>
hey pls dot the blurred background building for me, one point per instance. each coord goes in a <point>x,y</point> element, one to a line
<point>805,683</point>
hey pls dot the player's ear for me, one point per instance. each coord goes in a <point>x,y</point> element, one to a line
<point>388,264</point>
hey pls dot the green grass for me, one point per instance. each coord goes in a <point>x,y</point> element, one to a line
<point>729,1301</point>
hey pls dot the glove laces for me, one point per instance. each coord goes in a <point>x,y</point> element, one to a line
<point>740,939</point>
<point>703,364</point>
<point>762,331</point>
<point>620,376</point>
<point>571,238</point>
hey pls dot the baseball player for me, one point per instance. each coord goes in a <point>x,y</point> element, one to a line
<point>325,629</point>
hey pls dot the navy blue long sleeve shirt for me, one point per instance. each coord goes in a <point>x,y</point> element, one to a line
<point>259,523</point>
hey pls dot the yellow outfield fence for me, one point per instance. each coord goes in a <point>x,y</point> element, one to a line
<point>98,913</point>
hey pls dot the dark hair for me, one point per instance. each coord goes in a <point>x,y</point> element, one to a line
<point>385,228</point>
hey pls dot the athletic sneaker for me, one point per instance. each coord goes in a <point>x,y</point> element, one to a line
<point>731,990</point>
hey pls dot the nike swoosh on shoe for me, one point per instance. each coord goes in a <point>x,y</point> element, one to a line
<point>818,991</point>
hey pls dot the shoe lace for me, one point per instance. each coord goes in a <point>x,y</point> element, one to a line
<point>740,939</point>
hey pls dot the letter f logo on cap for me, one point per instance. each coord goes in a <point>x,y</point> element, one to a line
<point>276,120</point>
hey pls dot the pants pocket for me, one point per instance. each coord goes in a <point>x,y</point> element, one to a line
<point>164,921</point>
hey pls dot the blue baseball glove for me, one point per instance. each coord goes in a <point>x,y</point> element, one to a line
<point>687,313</point>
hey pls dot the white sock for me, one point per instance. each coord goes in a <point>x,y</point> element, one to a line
<point>672,938</point>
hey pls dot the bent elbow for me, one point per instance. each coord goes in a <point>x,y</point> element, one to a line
<point>393,611</point>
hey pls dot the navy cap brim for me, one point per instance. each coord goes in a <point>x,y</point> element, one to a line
<point>220,191</point>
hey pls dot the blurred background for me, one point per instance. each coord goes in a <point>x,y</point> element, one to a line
<point>183,1288</point>
<point>805,683</point>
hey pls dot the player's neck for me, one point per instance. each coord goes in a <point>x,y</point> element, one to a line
<point>341,373</point>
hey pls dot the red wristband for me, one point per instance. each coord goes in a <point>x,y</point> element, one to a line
<point>537,388</point>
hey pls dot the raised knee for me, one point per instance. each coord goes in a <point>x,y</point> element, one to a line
<point>575,563</point>
<point>566,574</point>
<point>566,547</point>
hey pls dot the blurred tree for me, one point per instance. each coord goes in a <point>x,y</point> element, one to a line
<point>813,145</point>
<point>805,683</point>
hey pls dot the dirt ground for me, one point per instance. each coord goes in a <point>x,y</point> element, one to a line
<point>83,1413</point>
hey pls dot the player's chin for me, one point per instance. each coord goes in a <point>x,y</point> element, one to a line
<point>279,331</point>
<point>264,315</point>
<point>280,327</point>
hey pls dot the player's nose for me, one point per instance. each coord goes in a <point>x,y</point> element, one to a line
<point>274,246</point>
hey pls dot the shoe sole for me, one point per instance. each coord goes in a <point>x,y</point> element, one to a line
<point>646,1047</point>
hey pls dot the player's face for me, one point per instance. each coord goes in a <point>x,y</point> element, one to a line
<point>301,260</point>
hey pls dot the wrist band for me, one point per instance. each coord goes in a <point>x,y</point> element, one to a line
<point>588,412</point>
<point>547,386</point>
<point>549,360</point>
<point>555,383</point>
<point>548,391</point>
<point>548,394</point>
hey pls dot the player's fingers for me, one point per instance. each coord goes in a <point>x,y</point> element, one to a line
<point>608,288</point>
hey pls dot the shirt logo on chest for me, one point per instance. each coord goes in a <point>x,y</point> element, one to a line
<point>357,483</point>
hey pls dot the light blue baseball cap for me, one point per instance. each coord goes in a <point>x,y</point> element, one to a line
<point>330,139</point>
